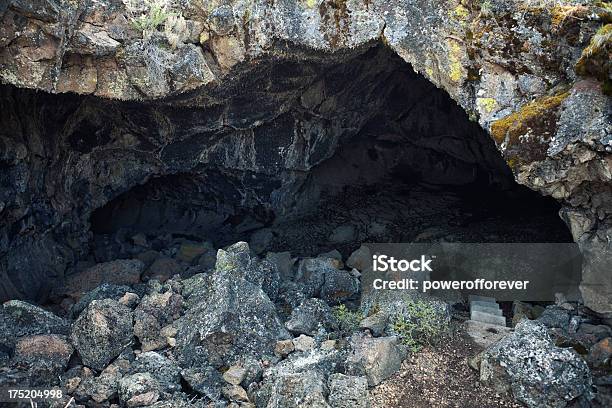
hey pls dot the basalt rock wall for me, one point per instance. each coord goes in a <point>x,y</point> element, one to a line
<point>240,83</point>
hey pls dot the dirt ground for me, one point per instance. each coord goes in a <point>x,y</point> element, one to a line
<point>439,377</point>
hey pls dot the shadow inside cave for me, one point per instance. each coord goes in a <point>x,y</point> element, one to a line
<point>416,170</point>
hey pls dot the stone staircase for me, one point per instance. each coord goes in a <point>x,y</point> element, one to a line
<point>486,310</point>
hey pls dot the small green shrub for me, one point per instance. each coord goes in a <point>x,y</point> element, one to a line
<point>420,325</point>
<point>348,321</point>
<point>155,16</point>
<point>147,16</point>
<point>486,8</point>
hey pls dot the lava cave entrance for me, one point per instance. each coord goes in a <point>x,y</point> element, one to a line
<point>413,168</point>
<point>304,154</point>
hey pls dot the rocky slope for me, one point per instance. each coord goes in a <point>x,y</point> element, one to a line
<point>188,327</point>
<point>534,74</point>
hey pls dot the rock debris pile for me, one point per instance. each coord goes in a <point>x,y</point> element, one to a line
<point>197,329</point>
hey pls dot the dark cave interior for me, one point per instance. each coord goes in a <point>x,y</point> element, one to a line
<point>417,170</point>
<point>303,155</point>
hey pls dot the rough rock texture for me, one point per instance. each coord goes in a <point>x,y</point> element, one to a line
<point>219,340</point>
<point>18,319</point>
<point>298,390</point>
<point>45,356</point>
<point>300,380</point>
<point>527,364</point>
<point>102,331</point>
<point>375,358</point>
<point>512,65</point>
<point>346,391</point>
<point>230,318</point>
<point>309,317</point>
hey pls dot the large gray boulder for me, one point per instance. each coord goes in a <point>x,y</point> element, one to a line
<point>18,319</point>
<point>102,332</point>
<point>536,372</point>
<point>236,260</point>
<point>229,318</point>
<point>305,373</point>
<point>311,274</point>
<point>376,358</point>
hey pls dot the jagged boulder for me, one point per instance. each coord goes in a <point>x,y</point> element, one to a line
<point>229,318</point>
<point>236,259</point>
<point>18,319</point>
<point>295,390</point>
<point>536,372</point>
<point>376,358</point>
<point>102,332</point>
<point>311,274</point>
<point>309,317</point>
<point>291,380</point>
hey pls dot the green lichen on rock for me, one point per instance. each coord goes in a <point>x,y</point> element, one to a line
<point>486,105</point>
<point>454,58</point>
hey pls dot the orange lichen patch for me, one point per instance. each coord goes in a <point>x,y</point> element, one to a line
<point>535,117</point>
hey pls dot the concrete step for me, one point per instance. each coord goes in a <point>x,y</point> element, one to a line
<point>488,318</point>
<point>486,309</point>
<point>477,298</point>
<point>490,305</point>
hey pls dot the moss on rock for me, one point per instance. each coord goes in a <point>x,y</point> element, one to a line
<point>524,133</point>
<point>595,58</point>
